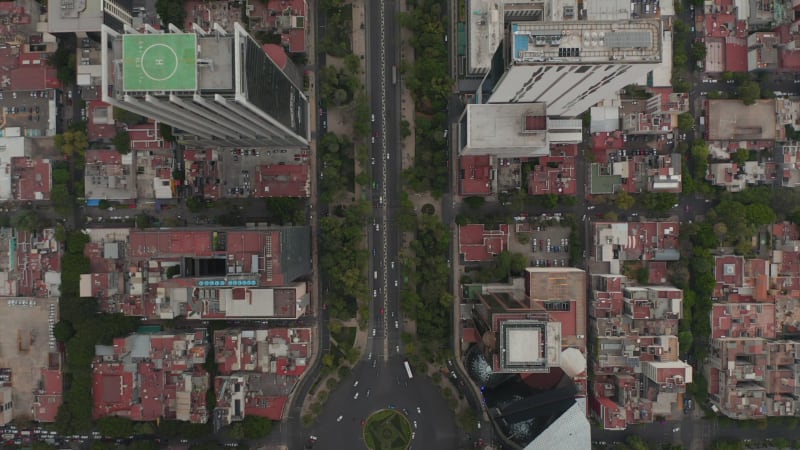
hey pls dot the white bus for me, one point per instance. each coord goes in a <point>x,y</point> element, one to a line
<point>408,369</point>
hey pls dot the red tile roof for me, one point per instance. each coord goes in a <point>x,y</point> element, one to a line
<point>558,180</point>
<point>97,131</point>
<point>607,141</point>
<point>743,320</point>
<point>33,77</point>
<point>147,136</point>
<point>736,56</point>
<point>290,180</point>
<point>276,54</point>
<point>265,406</point>
<point>479,244</point>
<point>476,175</point>
<point>277,15</point>
<point>31,178</point>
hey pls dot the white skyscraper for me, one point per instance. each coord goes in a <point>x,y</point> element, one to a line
<point>572,65</point>
<point>214,87</point>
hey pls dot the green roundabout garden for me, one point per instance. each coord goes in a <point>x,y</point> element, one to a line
<point>387,429</point>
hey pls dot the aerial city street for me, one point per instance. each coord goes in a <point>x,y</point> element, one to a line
<point>400,224</point>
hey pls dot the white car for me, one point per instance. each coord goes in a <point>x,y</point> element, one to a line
<point>395,283</point>
<point>373,117</point>
<point>415,424</point>
<point>419,410</point>
<point>355,397</point>
<point>374,332</point>
<point>339,419</point>
<point>355,384</point>
<point>396,324</point>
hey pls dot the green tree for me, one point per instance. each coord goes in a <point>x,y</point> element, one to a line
<point>256,427</point>
<point>63,331</point>
<point>196,204</point>
<point>72,143</point>
<point>171,12</point>
<point>749,92</point>
<point>699,51</point>
<point>685,121</point>
<point>122,142</point>
<point>115,427</point>
<point>741,156</point>
<point>475,202</point>
<point>624,200</point>
<point>143,221</point>
<point>27,220</point>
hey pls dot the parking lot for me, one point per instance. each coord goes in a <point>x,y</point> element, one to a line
<point>239,164</point>
<point>26,109</point>
<point>24,344</point>
<point>550,246</point>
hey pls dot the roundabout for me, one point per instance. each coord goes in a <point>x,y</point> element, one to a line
<point>387,429</point>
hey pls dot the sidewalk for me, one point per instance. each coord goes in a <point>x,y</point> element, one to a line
<point>407,107</point>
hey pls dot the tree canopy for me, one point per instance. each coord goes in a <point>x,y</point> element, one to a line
<point>72,143</point>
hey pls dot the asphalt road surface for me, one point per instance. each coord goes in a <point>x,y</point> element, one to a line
<point>379,380</point>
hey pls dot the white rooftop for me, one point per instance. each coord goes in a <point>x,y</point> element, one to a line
<point>485,33</point>
<point>586,41</point>
<point>523,345</point>
<point>501,127</point>
<point>571,430</point>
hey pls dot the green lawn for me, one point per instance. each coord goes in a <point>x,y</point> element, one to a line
<point>387,430</point>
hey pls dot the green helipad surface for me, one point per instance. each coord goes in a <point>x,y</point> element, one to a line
<point>159,62</point>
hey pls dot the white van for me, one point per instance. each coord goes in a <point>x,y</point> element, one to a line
<point>375,275</point>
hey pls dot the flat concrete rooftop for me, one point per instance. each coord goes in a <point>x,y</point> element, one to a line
<point>586,41</point>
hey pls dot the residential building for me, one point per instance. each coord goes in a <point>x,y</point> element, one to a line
<point>559,55</point>
<point>89,16</point>
<point>477,244</point>
<point>32,268</point>
<point>790,165</point>
<point>752,369</point>
<point>725,37</point>
<point>617,242</point>
<point>762,51</point>
<point>50,394</point>
<point>554,175</point>
<point>476,176</point>
<point>736,376</point>
<point>101,125</point>
<point>636,171</point>
<point>735,177</point>
<point>638,373</point>
<point>31,178</point>
<point>149,377</point>
<point>217,88</point>
<point>290,23</point>
<point>257,371</point>
<point>220,273</point>
<point>655,115</point>
<point>109,175</point>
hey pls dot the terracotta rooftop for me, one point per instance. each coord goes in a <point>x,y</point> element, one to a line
<point>478,244</point>
<point>476,175</point>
